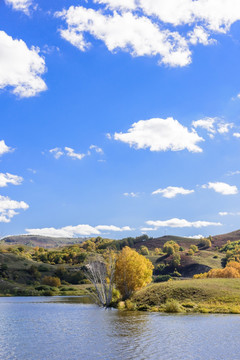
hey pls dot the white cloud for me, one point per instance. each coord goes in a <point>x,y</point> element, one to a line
<point>71,153</point>
<point>112,228</point>
<point>195,236</point>
<point>7,178</point>
<point>131,194</point>
<point>180,223</point>
<point>20,5</point>
<point>79,230</point>
<point>57,152</point>
<point>222,188</point>
<point>8,207</point>
<point>33,171</point>
<point>129,32</point>
<point>118,4</point>
<point>225,213</point>
<point>97,149</point>
<point>230,173</point>
<point>148,229</point>
<point>207,124</point>
<point>160,135</point>
<point>213,125</point>
<point>201,36</point>
<point>4,148</point>
<point>146,27</point>
<point>224,128</point>
<point>21,68</point>
<point>216,15</point>
<point>237,135</point>
<point>172,191</point>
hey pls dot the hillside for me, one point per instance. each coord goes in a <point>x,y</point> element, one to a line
<point>205,296</point>
<point>151,243</point>
<point>220,240</point>
<point>41,241</point>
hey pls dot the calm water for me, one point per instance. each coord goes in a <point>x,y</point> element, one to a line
<point>65,329</point>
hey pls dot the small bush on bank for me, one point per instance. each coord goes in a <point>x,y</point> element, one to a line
<point>172,306</point>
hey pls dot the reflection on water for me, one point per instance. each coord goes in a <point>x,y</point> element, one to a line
<point>72,328</point>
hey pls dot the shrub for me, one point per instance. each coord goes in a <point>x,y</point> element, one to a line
<point>176,260</point>
<point>232,270</point>
<point>51,281</point>
<point>160,269</point>
<point>162,278</point>
<point>206,243</point>
<point>48,293</point>
<point>176,274</point>
<point>172,306</point>
<point>194,248</point>
<point>130,305</point>
<point>170,247</point>
<point>157,251</point>
<point>144,250</point>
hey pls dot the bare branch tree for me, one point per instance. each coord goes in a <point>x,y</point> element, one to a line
<point>100,272</point>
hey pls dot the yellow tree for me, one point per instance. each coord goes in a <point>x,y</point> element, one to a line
<point>133,271</point>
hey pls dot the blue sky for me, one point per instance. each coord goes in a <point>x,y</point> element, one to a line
<point>119,119</point>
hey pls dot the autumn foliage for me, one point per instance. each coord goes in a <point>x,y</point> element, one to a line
<point>133,271</point>
<point>232,270</point>
<point>51,281</point>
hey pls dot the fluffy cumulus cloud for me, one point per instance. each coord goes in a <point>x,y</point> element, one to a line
<point>150,27</point>
<point>222,188</point>
<point>181,223</point>
<point>172,191</point>
<point>78,230</point>
<point>4,148</point>
<point>160,135</point>
<point>127,31</point>
<point>20,5</point>
<point>8,208</point>
<point>21,68</point>
<point>213,126</point>
<point>7,178</point>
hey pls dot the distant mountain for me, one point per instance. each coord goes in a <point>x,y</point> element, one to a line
<point>41,241</point>
<point>151,243</point>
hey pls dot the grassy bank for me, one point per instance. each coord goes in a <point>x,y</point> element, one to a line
<point>193,295</point>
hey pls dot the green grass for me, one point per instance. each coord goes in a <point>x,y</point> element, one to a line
<point>194,295</point>
<point>19,282</point>
<point>206,257</point>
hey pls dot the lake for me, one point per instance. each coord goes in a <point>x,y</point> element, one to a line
<point>69,328</point>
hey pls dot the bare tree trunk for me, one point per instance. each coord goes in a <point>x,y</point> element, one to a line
<point>101,274</point>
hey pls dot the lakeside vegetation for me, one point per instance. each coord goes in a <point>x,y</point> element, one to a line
<point>170,263</point>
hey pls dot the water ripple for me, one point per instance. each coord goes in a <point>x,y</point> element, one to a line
<point>50,329</point>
